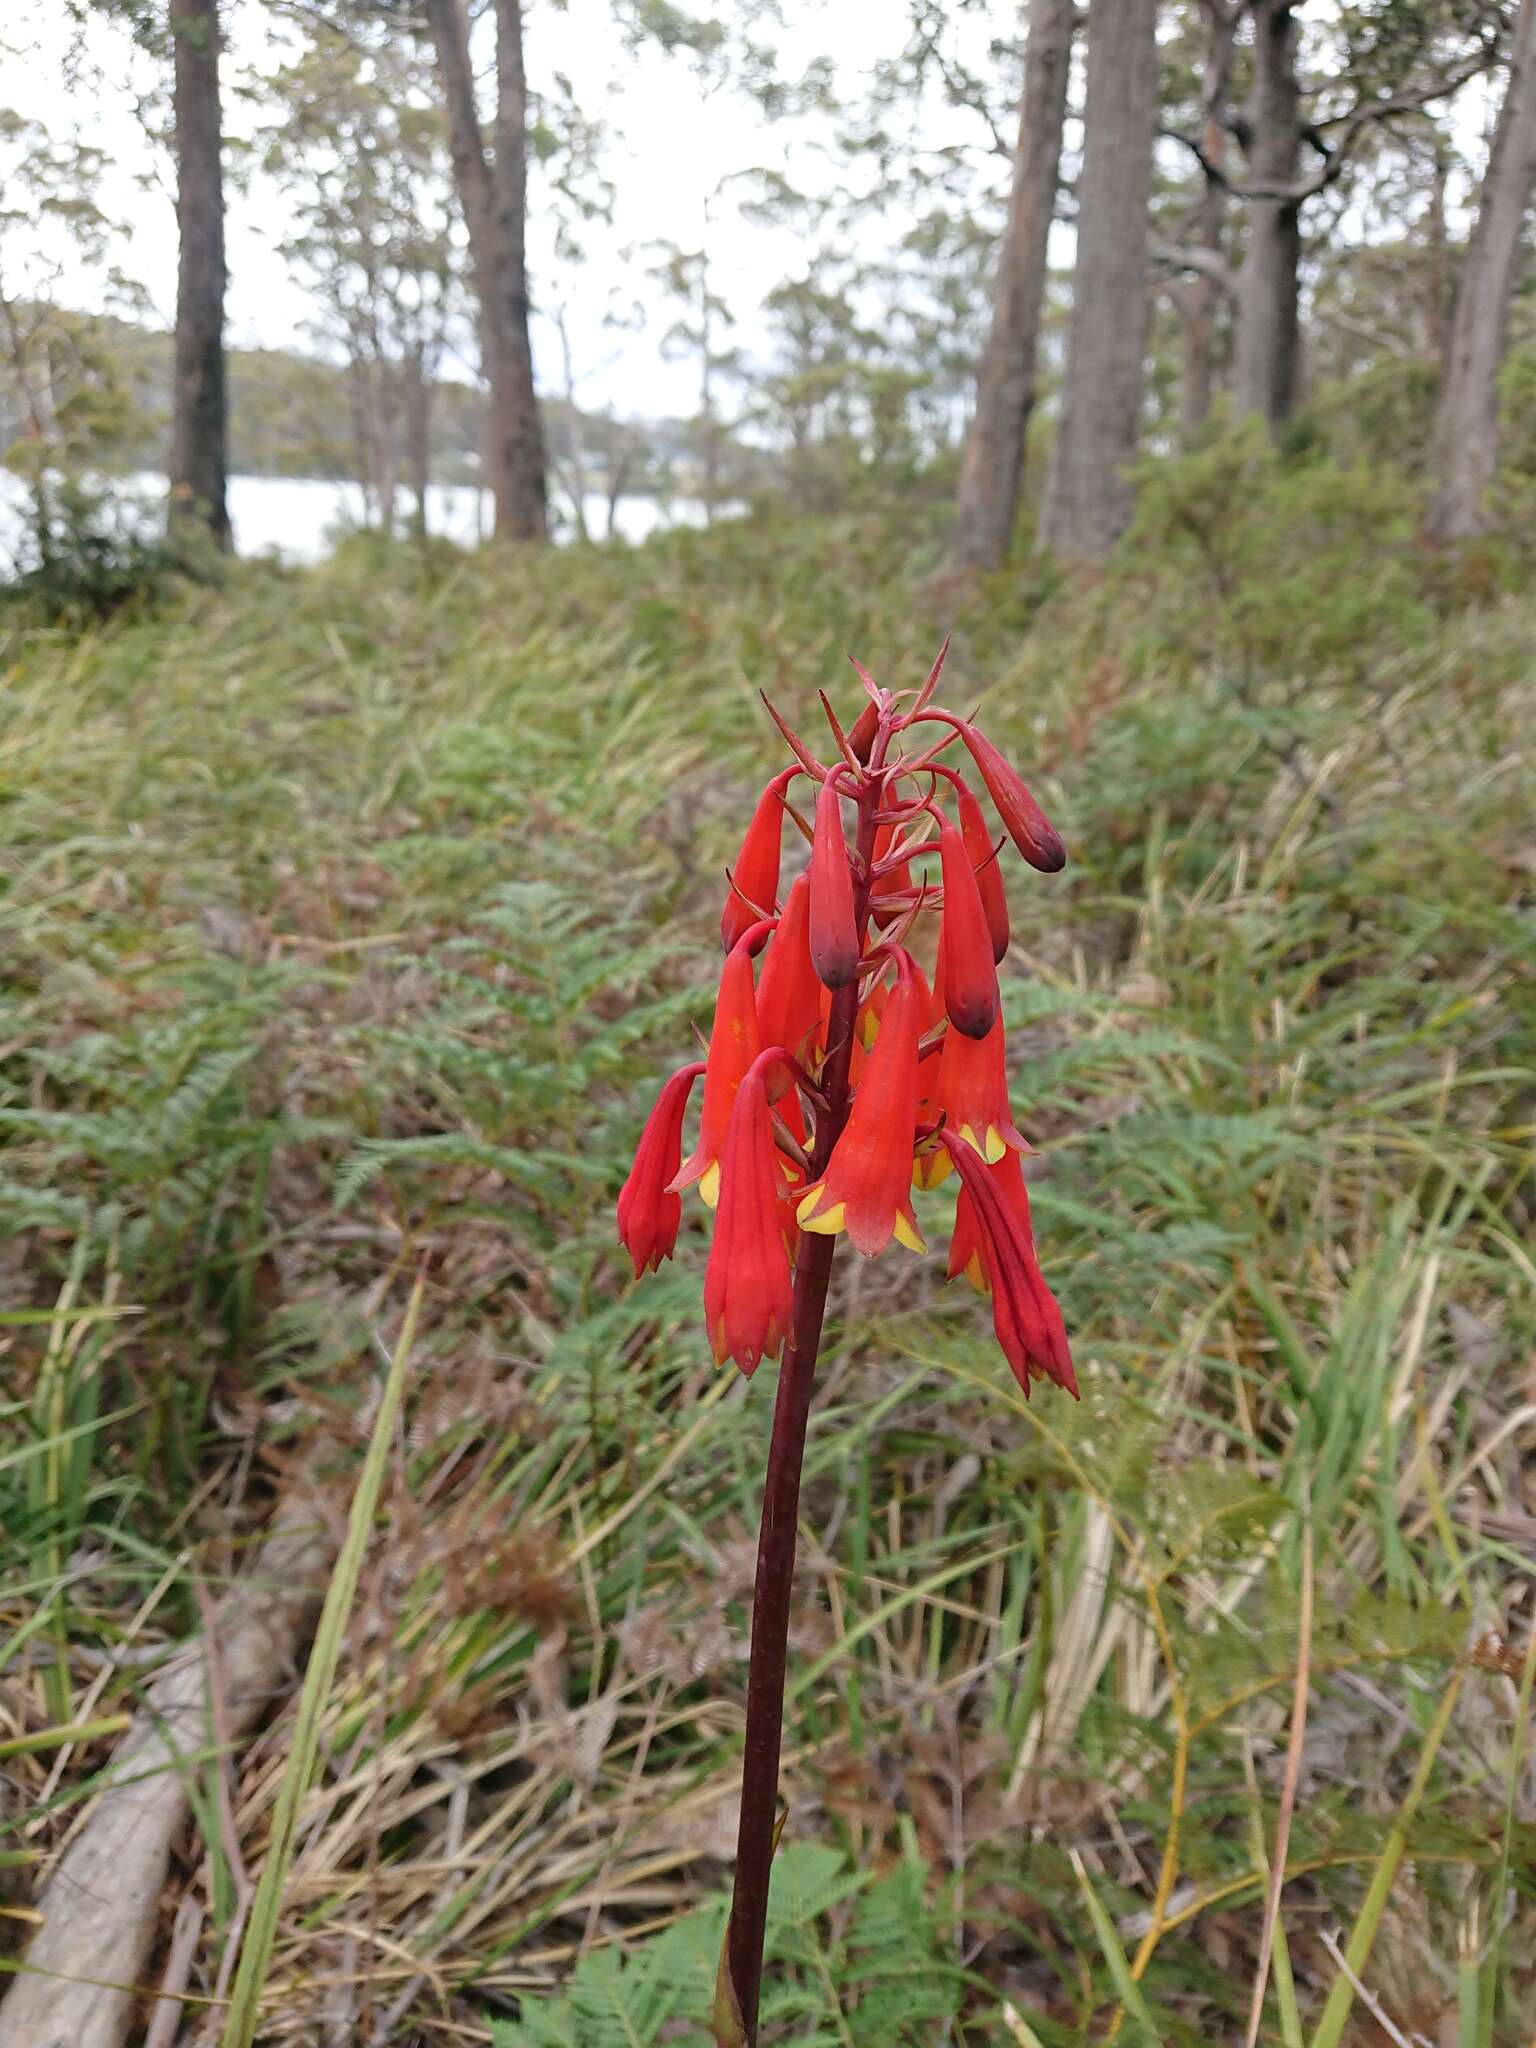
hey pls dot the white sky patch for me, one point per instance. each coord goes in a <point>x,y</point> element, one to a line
<point>673,154</point>
<point>672,151</point>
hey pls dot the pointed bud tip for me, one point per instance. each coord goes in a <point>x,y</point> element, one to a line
<point>1047,852</point>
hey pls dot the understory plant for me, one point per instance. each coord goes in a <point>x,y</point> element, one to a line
<point>837,1079</point>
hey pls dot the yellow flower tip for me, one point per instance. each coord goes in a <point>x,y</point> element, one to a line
<point>929,1168</point>
<point>709,1184</point>
<point>828,1223</point>
<point>909,1235</point>
<point>995,1146</point>
<point>974,1273</point>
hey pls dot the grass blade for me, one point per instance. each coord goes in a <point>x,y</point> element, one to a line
<point>1127,1990</point>
<point>261,1930</point>
<point>1330,2028</point>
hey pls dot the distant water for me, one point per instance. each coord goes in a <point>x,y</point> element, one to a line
<point>301,518</point>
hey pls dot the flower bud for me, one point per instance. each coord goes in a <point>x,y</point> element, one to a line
<point>1027,825</point>
<point>968,987</point>
<point>834,934</point>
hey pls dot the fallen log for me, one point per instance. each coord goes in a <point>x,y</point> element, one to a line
<point>82,1978</point>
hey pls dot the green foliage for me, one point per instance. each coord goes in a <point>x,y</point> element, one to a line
<point>90,553</point>
<point>844,1948</point>
<point>1270,547</point>
<point>1382,418</point>
<point>351,920</point>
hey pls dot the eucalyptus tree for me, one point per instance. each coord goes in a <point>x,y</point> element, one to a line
<point>1467,421</point>
<point>1088,502</point>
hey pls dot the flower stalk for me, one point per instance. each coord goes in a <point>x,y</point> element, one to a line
<point>836,1082</point>
<point>778,1530</point>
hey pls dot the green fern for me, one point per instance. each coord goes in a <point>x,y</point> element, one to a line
<point>844,1950</point>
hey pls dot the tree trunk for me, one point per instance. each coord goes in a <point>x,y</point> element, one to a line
<point>362,456</point>
<point>494,203</point>
<point>418,434</point>
<point>1467,420</point>
<point>986,502</point>
<point>1433,307</point>
<point>618,478</point>
<point>1088,506</point>
<point>1197,304</point>
<point>199,422</point>
<point>1268,327</point>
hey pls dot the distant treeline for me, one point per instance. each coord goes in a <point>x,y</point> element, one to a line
<point>293,414</point>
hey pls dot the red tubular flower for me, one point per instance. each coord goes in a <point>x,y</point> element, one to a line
<point>968,978</point>
<point>789,991</point>
<point>734,1043</point>
<point>748,1299</point>
<point>866,1189</point>
<point>834,934</point>
<point>649,1208</point>
<point>970,1088</point>
<point>989,878</point>
<point>1027,825</point>
<point>755,877</point>
<point>994,1246</point>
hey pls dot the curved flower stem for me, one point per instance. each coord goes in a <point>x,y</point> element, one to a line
<point>774,1588</point>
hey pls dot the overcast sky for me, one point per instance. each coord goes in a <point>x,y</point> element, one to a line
<point>670,146</point>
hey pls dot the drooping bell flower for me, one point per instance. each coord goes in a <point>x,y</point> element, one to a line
<point>650,1210</point>
<point>1026,824</point>
<point>734,1043</point>
<point>983,858</point>
<point>968,981</point>
<point>748,1299</point>
<point>789,990</point>
<point>755,876</point>
<point>834,934</point>
<point>884,887</point>
<point>867,1187</point>
<point>866,1029</point>
<point>994,1247</point>
<point>970,1089</point>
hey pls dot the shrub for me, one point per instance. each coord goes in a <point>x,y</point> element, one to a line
<point>1256,559</point>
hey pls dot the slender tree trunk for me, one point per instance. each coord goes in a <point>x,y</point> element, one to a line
<point>41,422</point>
<point>494,204</point>
<point>514,408</point>
<point>1467,420</point>
<point>618,478</point>
<point>986,503</point>
<point>1198,302</point>
<point>575,461</point>
<point>1089,502</point>
<point>1432,313</point>
<point>418,434</point>
<point>1268,326</point>
<point>362,448</point>
<point>199,421</point>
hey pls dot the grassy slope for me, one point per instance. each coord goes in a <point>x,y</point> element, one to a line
<point>352,916</point>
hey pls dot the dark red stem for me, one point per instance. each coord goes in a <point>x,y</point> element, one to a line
<point>774,1586</point>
